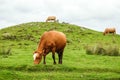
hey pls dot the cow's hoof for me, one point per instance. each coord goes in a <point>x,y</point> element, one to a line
<point>54,63</point>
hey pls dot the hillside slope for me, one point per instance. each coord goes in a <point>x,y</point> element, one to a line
<point>21,41</point>
<point>75,34</point>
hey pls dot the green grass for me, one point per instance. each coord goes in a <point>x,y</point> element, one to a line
<point>77,65</point>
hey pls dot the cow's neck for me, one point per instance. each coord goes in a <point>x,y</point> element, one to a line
<point>40,46</point>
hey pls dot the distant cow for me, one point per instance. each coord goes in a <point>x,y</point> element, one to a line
<point>51,18</point>
<point>51,41</point>
<point>109,30</point>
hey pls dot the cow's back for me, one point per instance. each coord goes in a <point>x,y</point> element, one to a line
<point>54,37</point>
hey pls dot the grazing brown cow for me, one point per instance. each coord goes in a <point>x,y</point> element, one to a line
<point>51,41</point>
<point>109,30</point>
<point>51,18</point>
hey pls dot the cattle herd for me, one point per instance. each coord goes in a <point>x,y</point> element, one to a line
<point>55,41</point>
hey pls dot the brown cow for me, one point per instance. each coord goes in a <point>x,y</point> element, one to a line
<point>51,18</point>
<point>51,41</point>
<point>109,30</point>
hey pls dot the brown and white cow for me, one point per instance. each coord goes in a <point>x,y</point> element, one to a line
<point>109,30</point>
<point>51,18</point>
<point>51,41</point>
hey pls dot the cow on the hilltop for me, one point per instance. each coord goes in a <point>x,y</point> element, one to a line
<point>51,41</point>
<point>109,30</point>
<point>51,18</point>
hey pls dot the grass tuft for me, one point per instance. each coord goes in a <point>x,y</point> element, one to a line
<point>110,50</point>
<point>5,52</point>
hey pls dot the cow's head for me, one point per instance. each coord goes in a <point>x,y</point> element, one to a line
<point>37,56</point>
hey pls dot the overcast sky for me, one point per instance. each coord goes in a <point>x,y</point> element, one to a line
<point>93,14</point>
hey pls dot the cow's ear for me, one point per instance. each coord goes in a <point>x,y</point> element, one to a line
<point>34,52</point>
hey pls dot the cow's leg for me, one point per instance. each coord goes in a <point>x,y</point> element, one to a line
<point>60,56</point>
<point>44,62</point>
<point>53,55</point>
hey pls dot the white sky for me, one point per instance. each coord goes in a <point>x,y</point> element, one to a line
<point>93,14</point>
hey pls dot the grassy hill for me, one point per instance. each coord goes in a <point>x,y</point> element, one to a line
<point>17,43</point>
